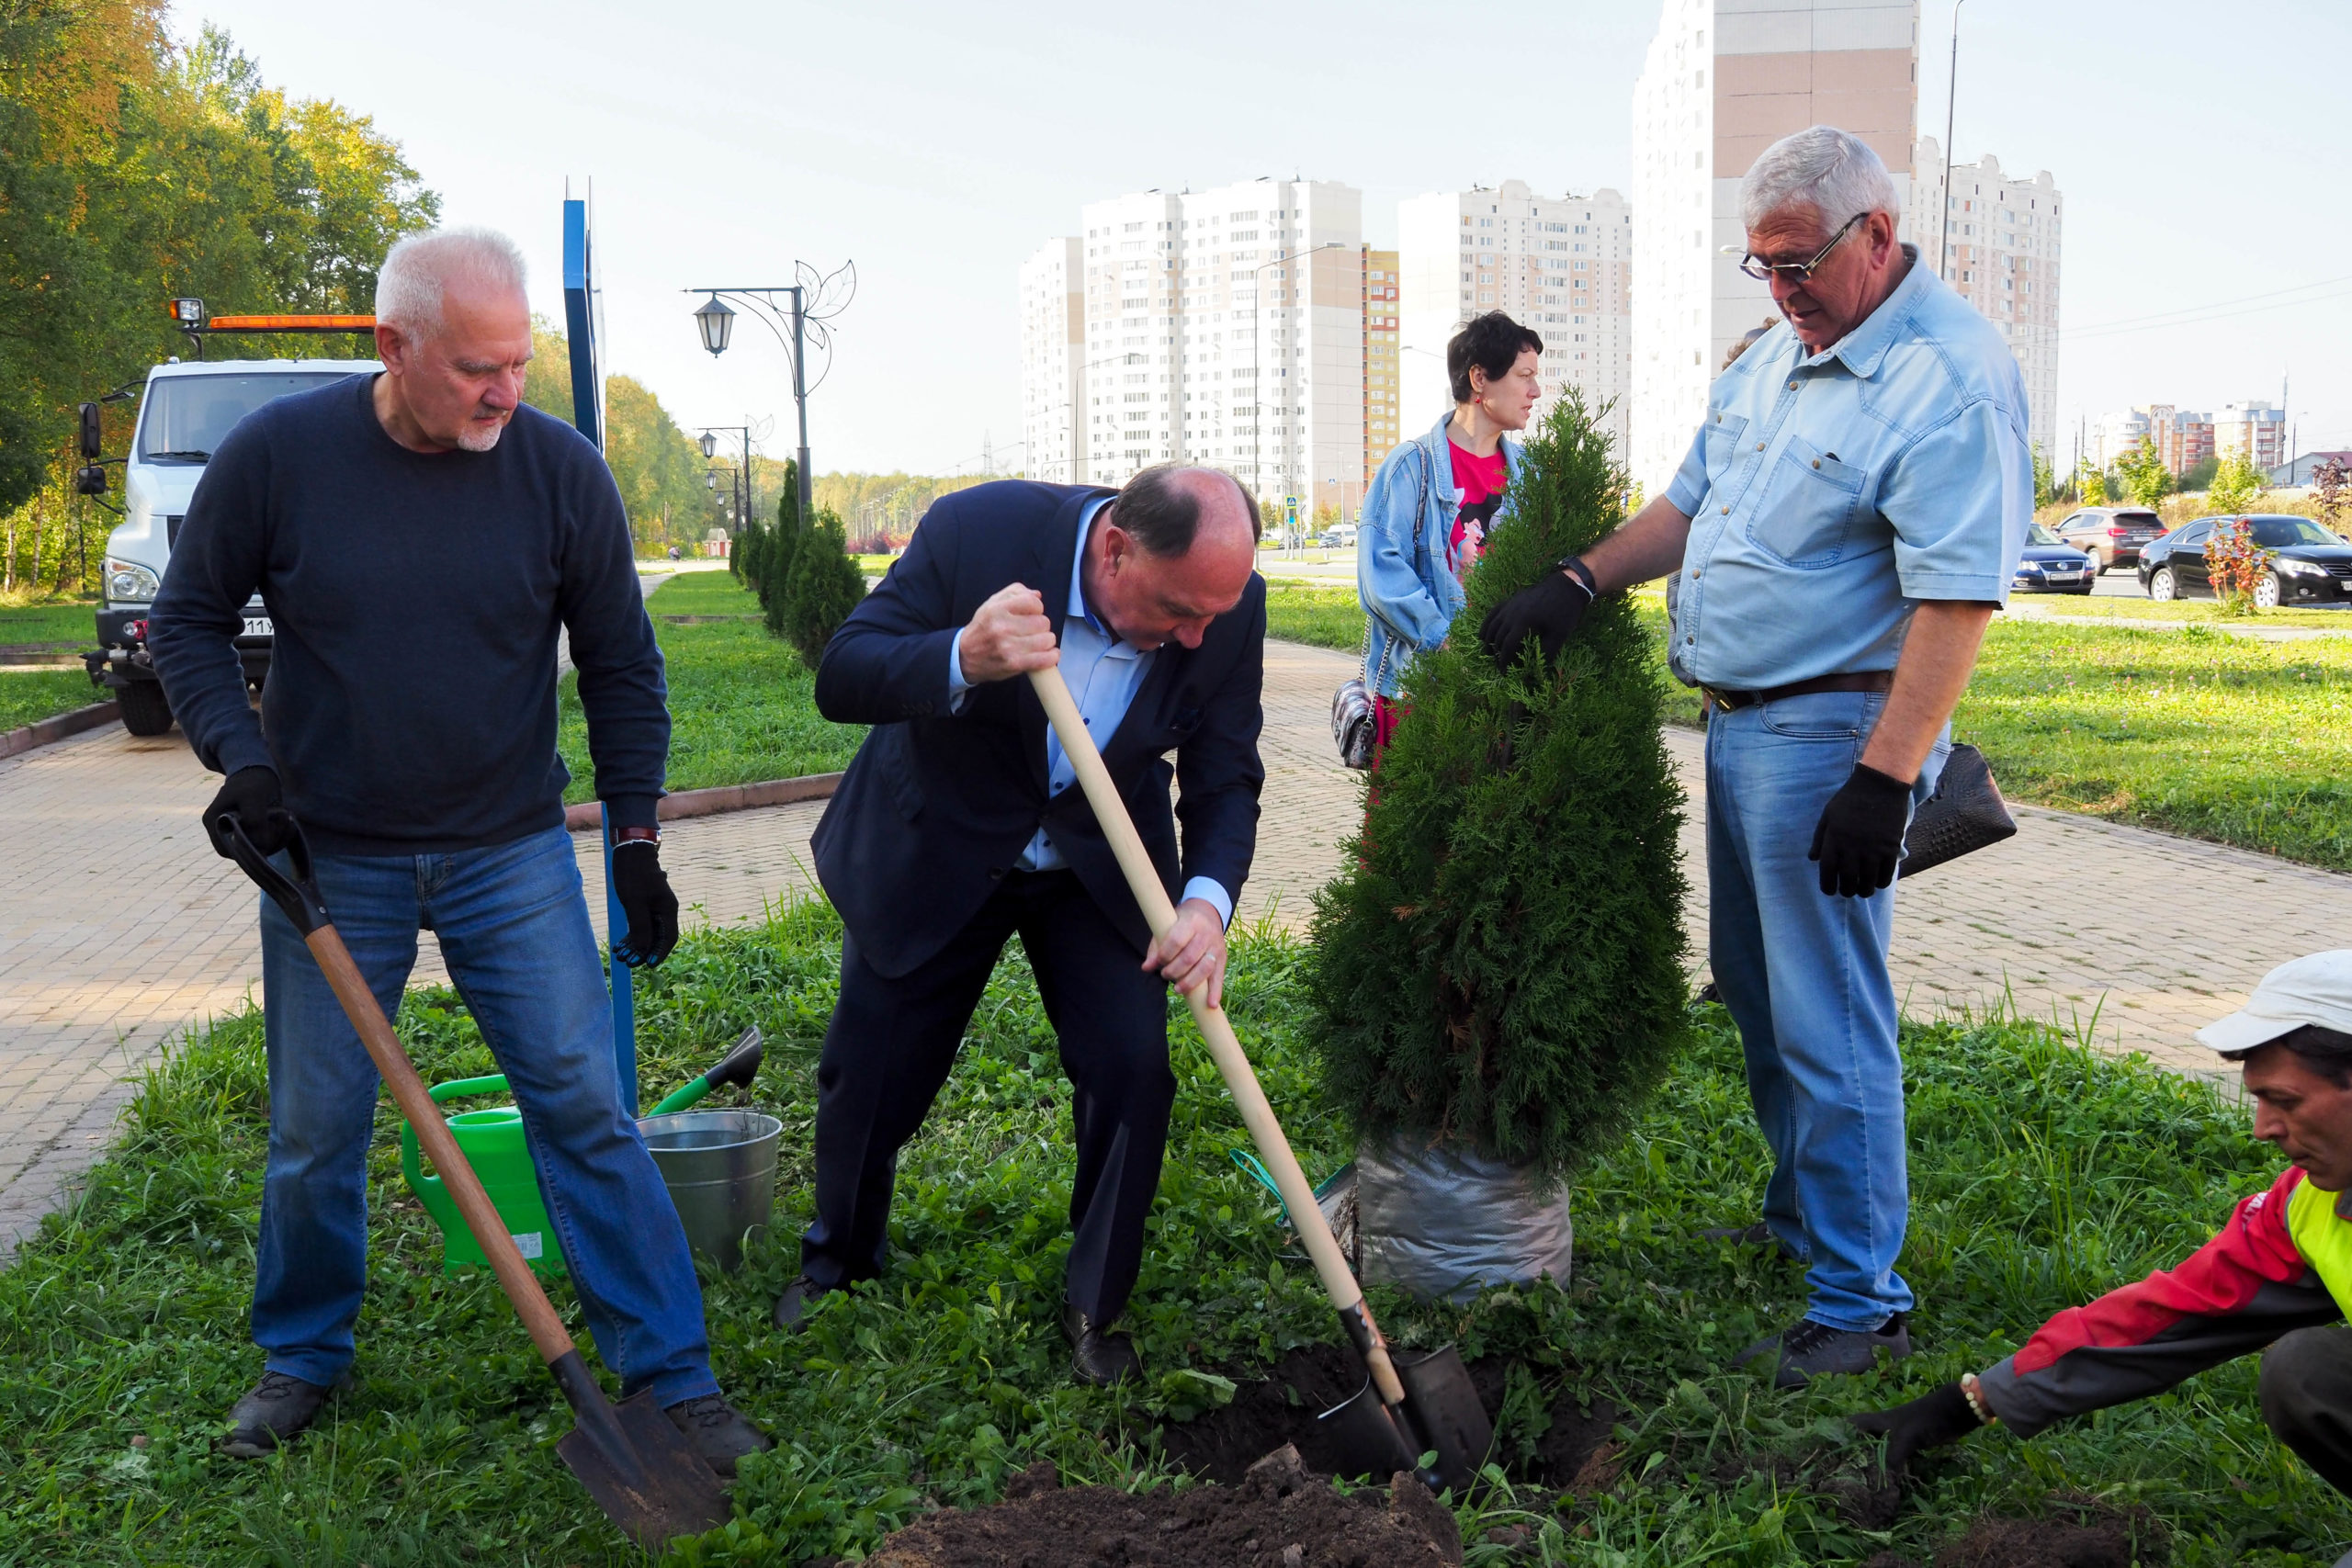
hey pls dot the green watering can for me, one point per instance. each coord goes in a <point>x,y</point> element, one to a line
<point>494,1145</point>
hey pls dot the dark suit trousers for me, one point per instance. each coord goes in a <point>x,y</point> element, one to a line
<point>890,1046</point>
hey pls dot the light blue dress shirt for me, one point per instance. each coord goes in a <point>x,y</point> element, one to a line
<point>1103,674</point>
<point>1828,493</point>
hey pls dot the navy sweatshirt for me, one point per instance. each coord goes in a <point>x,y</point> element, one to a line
<point>411,705</point>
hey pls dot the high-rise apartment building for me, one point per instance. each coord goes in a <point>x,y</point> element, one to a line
<point>1053,343</point>
<point>1382,431</point>
<point>1226,327</point>
<point>2251,430</point>
<point>1559,265</point>
<point>1723,80</point>
<point>2000,250</point>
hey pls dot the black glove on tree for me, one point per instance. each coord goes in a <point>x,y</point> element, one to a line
<point>1930,1421</point>
<point>644,898</point>
<point>1552,609</point>
<point>1859,839</point>
<point>251,794</point>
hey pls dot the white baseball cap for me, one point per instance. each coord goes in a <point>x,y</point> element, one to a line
<point>2316,988</point>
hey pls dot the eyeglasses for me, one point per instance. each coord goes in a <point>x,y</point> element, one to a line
<point>1797,271</point>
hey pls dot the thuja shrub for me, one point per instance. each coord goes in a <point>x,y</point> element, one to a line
<point>1500,965</point>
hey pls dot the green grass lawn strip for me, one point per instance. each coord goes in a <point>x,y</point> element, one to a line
<point>27,696</point>
<point>50,625</point>
<point>741,708</point>
<point>703,594</point>
<point>2040,1174</point>
<point>2193,611</point>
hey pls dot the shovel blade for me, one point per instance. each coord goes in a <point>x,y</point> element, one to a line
<point>641,1471</point>
<point>1364,1438</point>
<point>1446,1407</point>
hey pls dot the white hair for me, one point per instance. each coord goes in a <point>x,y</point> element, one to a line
<point>418,270</point>
<point>1834,172</point>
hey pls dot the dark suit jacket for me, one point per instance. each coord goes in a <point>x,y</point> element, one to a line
<point>937,806</point>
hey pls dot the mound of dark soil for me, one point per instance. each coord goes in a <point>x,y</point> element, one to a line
<point>1279,1517</point>
<point>1263,1416</point>
<point>2080,1532</point>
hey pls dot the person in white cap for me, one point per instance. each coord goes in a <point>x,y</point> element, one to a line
<point>2280,1275</point>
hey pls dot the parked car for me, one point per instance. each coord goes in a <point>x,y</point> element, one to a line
<point>2049,567</point>
<point>2112,536</point>
<point>1340,537</point>
<point>2308,564</point>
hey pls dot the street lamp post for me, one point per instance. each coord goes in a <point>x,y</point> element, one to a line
<point>709,443</point>
<point>1952,96</point>
<point>811,305</point>
<point>1257,379</point>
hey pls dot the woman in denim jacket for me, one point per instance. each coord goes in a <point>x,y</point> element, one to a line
<point>1428,511</point>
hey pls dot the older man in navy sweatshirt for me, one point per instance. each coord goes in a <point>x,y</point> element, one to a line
<point>420,536</point>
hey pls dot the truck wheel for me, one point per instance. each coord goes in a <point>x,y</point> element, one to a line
<point>145,709</point>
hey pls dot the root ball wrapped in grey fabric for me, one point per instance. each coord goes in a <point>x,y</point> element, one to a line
<point>1444,1223</point>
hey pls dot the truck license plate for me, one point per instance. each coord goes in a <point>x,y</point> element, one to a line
<point>257,626</point>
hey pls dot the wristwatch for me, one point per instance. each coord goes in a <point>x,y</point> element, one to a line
<point>1574,566</point>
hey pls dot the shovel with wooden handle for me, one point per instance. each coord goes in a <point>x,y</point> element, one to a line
<point>1408,1407</point>
<point>631,1456</point>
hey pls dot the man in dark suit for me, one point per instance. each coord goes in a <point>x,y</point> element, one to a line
<point>960,823</point>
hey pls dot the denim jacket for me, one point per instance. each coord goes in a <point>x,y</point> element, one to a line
<point>1410,595</point>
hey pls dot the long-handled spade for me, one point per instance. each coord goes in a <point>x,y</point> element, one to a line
<point>1406,1408</point>
<point>634,1461</point>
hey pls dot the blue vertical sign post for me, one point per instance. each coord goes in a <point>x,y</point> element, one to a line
<point>584,318</point>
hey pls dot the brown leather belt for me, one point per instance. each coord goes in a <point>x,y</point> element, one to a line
<point>1859,681</point>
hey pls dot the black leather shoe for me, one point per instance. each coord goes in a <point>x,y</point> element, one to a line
<point>719,1433</point>
<point>278,1409</point>
<point>799,1299</point>
<point>1096,1357</point>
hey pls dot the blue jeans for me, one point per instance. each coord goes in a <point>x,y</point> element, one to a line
<point>514,928</point>
<point>1804,975</point>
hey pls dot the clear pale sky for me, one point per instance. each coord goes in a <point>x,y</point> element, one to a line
<point>938,145</point>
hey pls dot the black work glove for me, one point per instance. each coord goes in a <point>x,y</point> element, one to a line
<point>644,898</point>
<point>1859,839</point>
<point>251,796</point>
<point>1552,609</point>
<point>1929,1422</point>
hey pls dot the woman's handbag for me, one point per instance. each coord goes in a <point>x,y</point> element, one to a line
<point>1355,722</point>
<point>1965,814</point>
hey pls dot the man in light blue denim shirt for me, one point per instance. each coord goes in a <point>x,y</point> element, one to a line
<point>1843,528</point>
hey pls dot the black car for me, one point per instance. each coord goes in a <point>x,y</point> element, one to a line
<point>2050,567</point>
<point>2308,564</point>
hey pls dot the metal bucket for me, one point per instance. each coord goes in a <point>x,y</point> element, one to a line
<point>720,1169</point>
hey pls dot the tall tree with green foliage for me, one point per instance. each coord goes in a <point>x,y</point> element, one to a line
<point>824,587</point>
<point>2145,478</point>
<point>2045,478</point>
<point>780,543</point>
<point>2238,485</point>
<point>1500,964</point>
<point>132,170</point>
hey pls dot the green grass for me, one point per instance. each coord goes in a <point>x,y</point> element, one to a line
<point>2194,611</point>
<point>2192,731</point>
<point>1326,617</point>
<point>29,696</point>
<point>2040,1174</point>
<point>742,710</point>
<point>704,594</point>
<point>50,625</point>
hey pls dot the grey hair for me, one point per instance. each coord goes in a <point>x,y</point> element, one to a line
<point>418,269</point>
<point>1834,172</point>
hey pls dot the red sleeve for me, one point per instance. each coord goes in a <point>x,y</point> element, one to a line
<point>2220,1277</point>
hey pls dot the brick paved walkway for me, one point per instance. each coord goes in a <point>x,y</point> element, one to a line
<point>118,927</point>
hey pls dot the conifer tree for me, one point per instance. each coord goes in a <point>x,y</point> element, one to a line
<point>780,548</point>
<point>1500,966</point>
<point>825,586</point>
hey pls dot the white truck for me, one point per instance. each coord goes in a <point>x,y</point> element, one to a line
<point>184,411</point>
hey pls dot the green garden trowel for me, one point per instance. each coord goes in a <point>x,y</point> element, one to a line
<point>737,1067</point>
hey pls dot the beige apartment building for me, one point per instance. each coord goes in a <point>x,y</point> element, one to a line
<point>1224,327</point>
<point>1382,431</point>
<point>2186,437</point>
<point>1053,342</point>
<point>1723,80</point>
<point>1999,249</point>
<point>1559,265</point>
